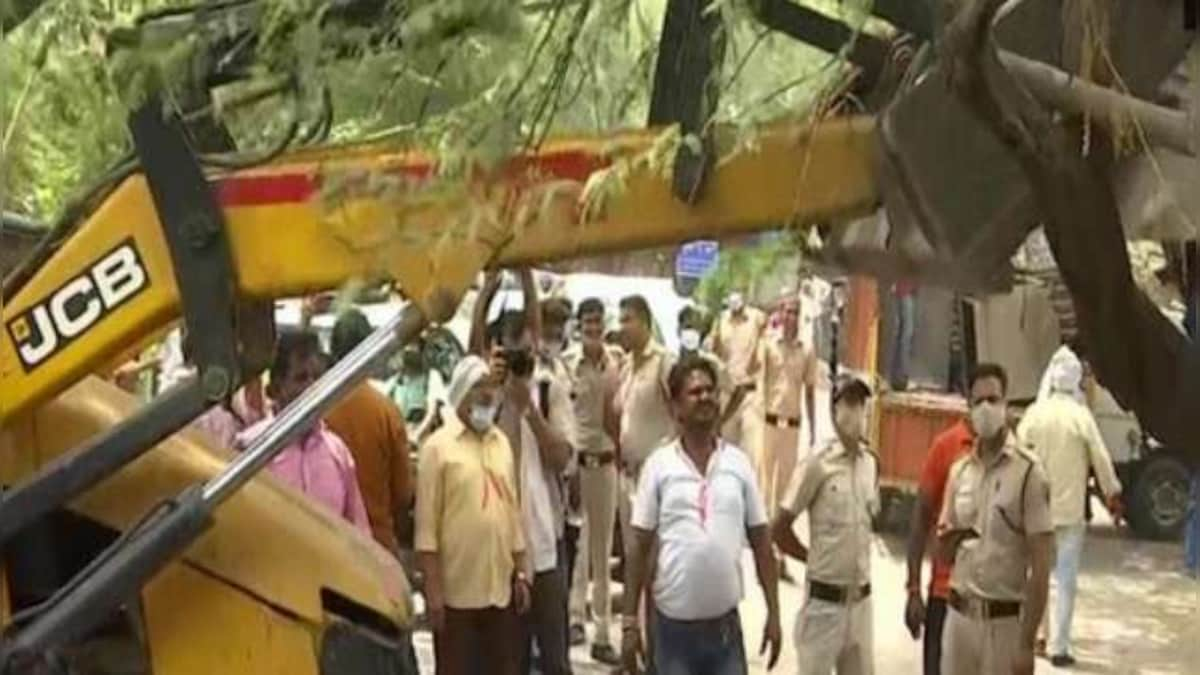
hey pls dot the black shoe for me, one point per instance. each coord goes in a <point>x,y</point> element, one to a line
<point>577,635</point>
<point>605,654</point>
<point>1062,660</point>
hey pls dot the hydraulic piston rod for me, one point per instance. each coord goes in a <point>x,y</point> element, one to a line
<point>121,571</point>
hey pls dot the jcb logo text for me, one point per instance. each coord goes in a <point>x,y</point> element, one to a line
<point>78,305</point>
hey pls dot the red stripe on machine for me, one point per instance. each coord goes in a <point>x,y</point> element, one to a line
<point>300,187</point>
<point>259,190</point>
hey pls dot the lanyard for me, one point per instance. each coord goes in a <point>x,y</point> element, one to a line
<point>702,500</point>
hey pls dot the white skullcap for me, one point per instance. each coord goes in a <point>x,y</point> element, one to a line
<point>1063,375</point>
<point>469,371</point>
<point>1066,375</point>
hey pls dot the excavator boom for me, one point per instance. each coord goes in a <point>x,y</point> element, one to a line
<point>163,244</point>
<point>314,220</point>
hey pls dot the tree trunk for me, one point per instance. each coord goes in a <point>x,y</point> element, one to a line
<point>1147,364</point>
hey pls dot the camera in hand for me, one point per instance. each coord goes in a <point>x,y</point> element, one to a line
<point>519,361</point>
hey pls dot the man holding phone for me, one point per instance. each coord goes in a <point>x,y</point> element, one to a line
<point>996,527</point>
<point>537,417</point>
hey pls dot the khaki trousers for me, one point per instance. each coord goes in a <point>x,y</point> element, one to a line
<point>745,427</point>
<point>598,492</point>
<point>780,450</point>
<point>835,637</point>
<point>626,491</point>
<point>974,646</point>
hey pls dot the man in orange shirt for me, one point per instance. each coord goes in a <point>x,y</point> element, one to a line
<point>950,445</point>
<point>371,427</point>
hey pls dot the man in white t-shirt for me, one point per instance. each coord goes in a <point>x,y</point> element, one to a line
<point>697,497</point>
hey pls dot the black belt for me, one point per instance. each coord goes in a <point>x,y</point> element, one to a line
<point>983,608</point>
<point>777,421</point>
<point>593,460</point>
<point>839,594</point>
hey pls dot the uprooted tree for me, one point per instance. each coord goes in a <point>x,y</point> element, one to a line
<point>1136,351</point>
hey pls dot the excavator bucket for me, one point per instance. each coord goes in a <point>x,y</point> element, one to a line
<point>947,181</point>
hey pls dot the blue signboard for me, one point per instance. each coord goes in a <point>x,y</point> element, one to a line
<point>696,258</point>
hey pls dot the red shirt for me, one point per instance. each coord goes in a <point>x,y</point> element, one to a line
<point>946,449</point>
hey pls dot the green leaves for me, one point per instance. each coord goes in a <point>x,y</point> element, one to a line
<point>432,22</point>
<point>747,268</point>
<point>472,81</point>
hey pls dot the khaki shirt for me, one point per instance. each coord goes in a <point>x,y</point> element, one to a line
<point>840,491</point>
<point>594,384</point>
<point>1005,501</point>
<point>736,342</point>
<point>788,367</point>
<point>645,404</point>
<point>467,513</point>
<point>1063,435</point>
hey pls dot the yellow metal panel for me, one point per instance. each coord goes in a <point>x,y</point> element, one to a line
<point>267,538</point>
<point>127,215</point>
<point>197,625</point>
<point>370,213</point>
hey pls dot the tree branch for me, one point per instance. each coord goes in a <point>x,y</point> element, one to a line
<point>14,12</point>
<point>913,16</point>
<point>1135,350</point>
<point>811,27</point>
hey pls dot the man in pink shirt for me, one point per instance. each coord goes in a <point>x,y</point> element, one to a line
<point>318,462</point>
<point>223,422</point>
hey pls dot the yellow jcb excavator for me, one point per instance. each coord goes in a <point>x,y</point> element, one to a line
<point>131,547</point>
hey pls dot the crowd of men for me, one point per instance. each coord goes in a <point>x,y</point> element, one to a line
<point>550,444</point>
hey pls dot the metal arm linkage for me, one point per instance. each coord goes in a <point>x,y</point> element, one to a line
<point>121,571</point>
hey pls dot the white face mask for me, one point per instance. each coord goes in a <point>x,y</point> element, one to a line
<point>736,301</point>
<point>988,419</point>
<point>481,417</point>
<point>689,338</point>
<point>851,421</point>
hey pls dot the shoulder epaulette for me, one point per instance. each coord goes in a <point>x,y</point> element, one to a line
<point>1026,454</point>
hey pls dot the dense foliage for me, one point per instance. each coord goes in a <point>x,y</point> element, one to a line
<point>473,80</point>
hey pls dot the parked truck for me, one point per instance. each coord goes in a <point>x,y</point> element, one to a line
<point>1154,476</point>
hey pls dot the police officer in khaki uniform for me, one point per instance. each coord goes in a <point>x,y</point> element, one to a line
<point>595,369</point>
<point>737,341</point>
<point>838,487</point>
<point>789,387</point>
<point>996,527</point>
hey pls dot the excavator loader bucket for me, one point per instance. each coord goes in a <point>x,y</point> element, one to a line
<point>947,176</point>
